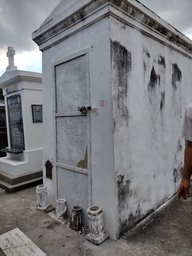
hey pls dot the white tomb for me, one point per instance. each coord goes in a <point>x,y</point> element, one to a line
<point>22,91</point>
<point>117,83</point>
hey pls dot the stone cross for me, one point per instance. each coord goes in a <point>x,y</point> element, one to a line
<point>10,55</point>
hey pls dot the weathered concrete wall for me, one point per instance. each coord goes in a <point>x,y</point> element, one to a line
<point>100,172</point>
<point>150,82</point>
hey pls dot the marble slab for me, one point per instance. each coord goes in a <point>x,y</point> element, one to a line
<point>16,243</point>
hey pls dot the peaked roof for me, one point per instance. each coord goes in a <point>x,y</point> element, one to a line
<point>70,12</point>
<point>63,10</point>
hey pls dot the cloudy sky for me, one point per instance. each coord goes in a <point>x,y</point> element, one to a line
<point>19,18</point>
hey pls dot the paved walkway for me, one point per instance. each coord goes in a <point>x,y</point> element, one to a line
<point>169,233</point>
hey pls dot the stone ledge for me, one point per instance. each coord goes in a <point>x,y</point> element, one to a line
<point>16,179</point>
<point>137,11</point>
<point>14,151</point>
<point>13,188</point>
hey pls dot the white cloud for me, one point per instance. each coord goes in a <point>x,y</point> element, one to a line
<point>190,36</point>
<point>29,61</point>
<point>18,33</point>
<point>3,61</point>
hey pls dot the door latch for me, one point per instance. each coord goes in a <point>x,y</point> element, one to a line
<point>83,109</point>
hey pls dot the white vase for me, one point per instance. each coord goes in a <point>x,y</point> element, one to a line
<point>42,197</point>
<point>61,208</point>
<point>96,227</point>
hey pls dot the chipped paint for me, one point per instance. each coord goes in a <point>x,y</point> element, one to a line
<point>83,163</point>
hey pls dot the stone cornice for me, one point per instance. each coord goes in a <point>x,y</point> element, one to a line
<point>17,79</point>
<point>136,11</point>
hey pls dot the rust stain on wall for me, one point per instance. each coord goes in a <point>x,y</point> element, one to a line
<point>83,163</point>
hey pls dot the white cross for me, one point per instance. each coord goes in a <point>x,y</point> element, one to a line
<point>10,55</point>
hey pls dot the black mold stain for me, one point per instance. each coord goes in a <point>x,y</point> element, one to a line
<point>133,13</point>
<point>161,61</point>
<point>47,222</point>
<point>147,53</point>
<point>179,146</point>
<point>176,75</point>
<point>122,65</point>
<point>132,221</point>
<point>162,103</point>
<point>123,188</point>
<point>154,78</point>
<point>177,173</point>
<point>144,66</point>
<point>123,27</point>
<point>52,225</point>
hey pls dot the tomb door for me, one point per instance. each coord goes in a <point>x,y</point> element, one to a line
<point>72,120</point>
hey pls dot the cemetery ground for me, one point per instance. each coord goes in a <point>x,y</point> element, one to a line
<point>168,233</point>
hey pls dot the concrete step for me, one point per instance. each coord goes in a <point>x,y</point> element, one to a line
<point>15,179</point>
<point>22,185</point>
